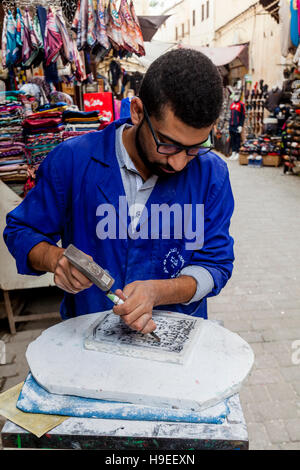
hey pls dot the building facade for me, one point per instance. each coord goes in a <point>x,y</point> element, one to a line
<point>191,22</point>
<point>219,23</point>
<point>142,7</point>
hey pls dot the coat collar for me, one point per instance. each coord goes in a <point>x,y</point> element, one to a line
<point>110,180</point>
<point>105,151</point>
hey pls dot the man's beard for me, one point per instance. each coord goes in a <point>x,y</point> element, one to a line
<point>155,168</point>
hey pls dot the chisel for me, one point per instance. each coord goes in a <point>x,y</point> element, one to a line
<point>96,274</point>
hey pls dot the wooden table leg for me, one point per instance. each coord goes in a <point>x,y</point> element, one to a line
<point>10,313</point>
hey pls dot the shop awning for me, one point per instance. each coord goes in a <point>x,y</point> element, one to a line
<point>271,7</point>
<point>224,55</point>
<point>154,49</point>
<point>150,25</point>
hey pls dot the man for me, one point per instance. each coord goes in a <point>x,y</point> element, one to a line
<point>156,161</point>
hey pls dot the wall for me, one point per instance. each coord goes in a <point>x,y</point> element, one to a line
<point>141,7</point>
<point>263,33</point>
<point>182,17</point>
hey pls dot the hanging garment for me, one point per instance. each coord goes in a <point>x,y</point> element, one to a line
<point>78,66</point>
<point>75,23</point>
<point>66,50</point>
<point>27,46</point>
<point>35,44</point>
<point>298,8</point>
<point>50,71</point>
<point>82,27</point>
<point>69,8</point>
<point>38,32</point>
<point>53,40</point>
<point>4,42</point>
<point>114,26</point>
<point>294,24</point>
<point>102,25</point>
<point>140,39</point>
<point>128,28</point>
<point>285,24</point>
<point>11,46</point>
<point>237,116</point>
<point>92,21</point>
<point>20,28</point>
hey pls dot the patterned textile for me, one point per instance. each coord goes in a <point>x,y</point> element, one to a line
<point>53,40</point>
<point>69,8</point>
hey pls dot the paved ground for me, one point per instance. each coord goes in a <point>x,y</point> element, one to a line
<point>261,303</point>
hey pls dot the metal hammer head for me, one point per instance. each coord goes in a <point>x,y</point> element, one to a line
<point>89,268</point>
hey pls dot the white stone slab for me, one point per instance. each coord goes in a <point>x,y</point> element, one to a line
<point>215,369</point>
<point>177,337</point>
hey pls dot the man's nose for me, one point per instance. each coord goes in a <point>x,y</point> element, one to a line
<point>179,161</point>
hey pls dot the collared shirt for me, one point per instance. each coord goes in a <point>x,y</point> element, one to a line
<point>138,192</point>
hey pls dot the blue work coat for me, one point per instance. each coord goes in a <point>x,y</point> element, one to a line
<point>82,174</point>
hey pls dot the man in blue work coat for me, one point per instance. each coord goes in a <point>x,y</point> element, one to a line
<point>145,198</point>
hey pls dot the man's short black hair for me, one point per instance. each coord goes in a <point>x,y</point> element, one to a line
<point>187,81</point>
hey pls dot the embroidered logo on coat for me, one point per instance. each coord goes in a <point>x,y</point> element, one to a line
<point>173,262</point>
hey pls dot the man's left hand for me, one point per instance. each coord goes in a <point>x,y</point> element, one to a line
<point>139,299</point>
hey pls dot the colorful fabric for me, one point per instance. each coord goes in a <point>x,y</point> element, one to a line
<point>4,42</point>
<point>20,28</point>
<point>140,39</point>
<point>26,48</point>
<point>294,24</point>
<point>11,46</point>
<point>53,40</point>
<point>66,49</point>
<point>102,24</point>
<point>114,26</point>
<point>128,28</point>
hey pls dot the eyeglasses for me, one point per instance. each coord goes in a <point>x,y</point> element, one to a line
<point>173,149</point>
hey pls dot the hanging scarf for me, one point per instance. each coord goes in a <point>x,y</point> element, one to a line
<point>4,42</point>
<point>129,30</point>
<point>34,43</point>
<point>20,28</point>
<point>140,39</point>
<point>69,8</point>
<point>82,25</point>
<point>92,20</point>
<point>11,46</point>
<point>38,32</point>
<point>53,40</point>
<point>66,51</point>
<point>101,25</point>
<point>114,27</point>
<point>26,48</point>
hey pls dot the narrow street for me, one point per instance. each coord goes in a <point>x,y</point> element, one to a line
<point>262,301</point>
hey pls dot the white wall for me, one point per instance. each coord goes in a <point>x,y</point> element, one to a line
<point>200,33</point>
<point>226,10</point>
<point>142,7</point>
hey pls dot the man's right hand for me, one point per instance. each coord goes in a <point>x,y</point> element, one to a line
<point>50,258</point>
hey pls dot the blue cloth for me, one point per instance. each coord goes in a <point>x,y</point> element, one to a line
<point>125,108</point>
<point>294,25</point>
<point>83,173</point>
<point>35,399</point>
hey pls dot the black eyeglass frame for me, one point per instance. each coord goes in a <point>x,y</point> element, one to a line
<point>187,148</point>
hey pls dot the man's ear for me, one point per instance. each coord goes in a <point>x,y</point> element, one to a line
<point>137,111</point>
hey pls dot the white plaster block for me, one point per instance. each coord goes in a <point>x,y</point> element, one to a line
<point>215,367</point>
